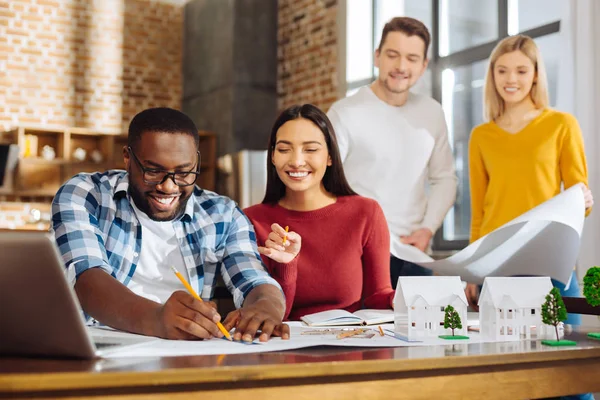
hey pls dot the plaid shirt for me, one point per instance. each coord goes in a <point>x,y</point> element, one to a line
<point>95,226</point>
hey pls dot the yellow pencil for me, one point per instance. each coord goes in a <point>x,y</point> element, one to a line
<point>195,295</point>
<point>381,331</point>
<point>287,229</point>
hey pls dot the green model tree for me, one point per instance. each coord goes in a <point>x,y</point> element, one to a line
<point>554,310</point>
<point>591,286</point>
<point>452,319</point>
<point>591,291</point>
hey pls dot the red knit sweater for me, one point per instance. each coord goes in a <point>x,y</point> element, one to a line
<point>344,262</point>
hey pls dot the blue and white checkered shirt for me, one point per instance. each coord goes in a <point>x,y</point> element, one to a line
<point>95,226</point>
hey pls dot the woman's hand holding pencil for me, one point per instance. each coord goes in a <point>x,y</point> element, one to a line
<point>282,245</point>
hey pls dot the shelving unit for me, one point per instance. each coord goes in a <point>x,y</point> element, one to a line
<point>208,160</point>
<point>38,179</point>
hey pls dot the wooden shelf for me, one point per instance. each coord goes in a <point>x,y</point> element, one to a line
<point>86,164</point>
<point>41,128</point>
<point>89,132</point>
<point>37,177</point>
<point>61,161</point>
<point>35,193</point>
<point>42,161</point>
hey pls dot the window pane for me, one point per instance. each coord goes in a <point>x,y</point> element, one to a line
<point>423,85</point>
<point>351,92</point>
<point>462,100</point>
<point>385,11</point>
<point>359,40</point>
<point>420,10</point>
<point>549,46</point>
<point>466,23</point>
<point>528,14</point>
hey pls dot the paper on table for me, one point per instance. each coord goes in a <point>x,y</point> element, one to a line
<point>543,241</point>
<point>173,348</point>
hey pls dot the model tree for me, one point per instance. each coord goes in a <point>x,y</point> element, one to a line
<point>452,319</point>
<point>554,310</point>
<point>553,313</point>
<point>591,291</point>
<point>591,286</point>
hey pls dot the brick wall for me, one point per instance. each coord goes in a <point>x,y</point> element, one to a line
<point>307,53</point>
<point>88,63</point>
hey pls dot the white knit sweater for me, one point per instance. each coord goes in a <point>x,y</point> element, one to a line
<point>399,156</point>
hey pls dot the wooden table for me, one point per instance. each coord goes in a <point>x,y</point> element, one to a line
<point>509,370</point>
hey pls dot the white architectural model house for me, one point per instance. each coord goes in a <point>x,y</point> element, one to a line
<point>511,308</point>
<point>420,302</point>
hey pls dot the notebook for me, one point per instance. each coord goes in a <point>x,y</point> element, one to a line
<point>342,317</point>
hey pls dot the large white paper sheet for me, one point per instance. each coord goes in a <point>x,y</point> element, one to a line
<point>542,242</point>
<point>173,348</point>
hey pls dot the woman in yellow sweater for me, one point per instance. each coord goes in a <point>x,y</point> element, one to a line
<point>526,151</point>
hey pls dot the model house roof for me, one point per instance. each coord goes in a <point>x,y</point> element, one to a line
<point>518,292</point>
<point>434,290</point>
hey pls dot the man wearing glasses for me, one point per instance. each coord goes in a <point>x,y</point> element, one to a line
<point>120,233</point>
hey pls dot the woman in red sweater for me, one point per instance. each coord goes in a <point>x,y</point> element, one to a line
<point>336,254</point>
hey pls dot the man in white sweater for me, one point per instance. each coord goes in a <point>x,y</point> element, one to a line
<point>395,143</point>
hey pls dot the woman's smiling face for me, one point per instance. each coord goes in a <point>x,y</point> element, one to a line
<point>300,155</point>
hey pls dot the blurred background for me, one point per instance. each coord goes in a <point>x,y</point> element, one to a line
<point>74,72</point>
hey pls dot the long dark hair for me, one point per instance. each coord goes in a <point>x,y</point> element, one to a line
<point>334,179</point>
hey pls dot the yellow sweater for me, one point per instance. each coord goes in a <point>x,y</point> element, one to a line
<point>512,173</point>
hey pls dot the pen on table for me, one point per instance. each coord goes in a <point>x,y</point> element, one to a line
<point>220,359</point>
<point>287,229</point>
<point>381,331</point>
<point>195,295</point>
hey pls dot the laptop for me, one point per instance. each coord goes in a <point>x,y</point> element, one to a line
<point>39,311</point>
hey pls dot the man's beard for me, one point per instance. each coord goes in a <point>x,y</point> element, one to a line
<point>143,204</point>
<point>396,91</point>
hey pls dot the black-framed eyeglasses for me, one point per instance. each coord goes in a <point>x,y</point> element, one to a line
<point>153,176</point>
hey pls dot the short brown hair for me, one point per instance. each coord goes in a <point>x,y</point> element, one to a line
<point>408,26</point>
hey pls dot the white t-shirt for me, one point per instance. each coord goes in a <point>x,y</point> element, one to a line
<point>153,277</point>
<point>391,154</point>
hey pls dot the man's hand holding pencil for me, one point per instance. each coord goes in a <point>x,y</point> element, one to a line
<point>185,318</point>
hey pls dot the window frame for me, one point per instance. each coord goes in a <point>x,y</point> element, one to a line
<point>466,57</point>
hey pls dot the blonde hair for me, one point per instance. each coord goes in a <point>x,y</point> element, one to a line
<point>493,104</point>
